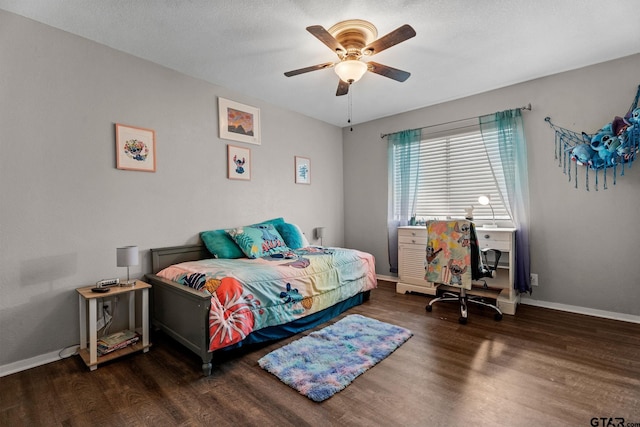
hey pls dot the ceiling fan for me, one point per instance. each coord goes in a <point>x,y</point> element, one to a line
<point>352,40</point>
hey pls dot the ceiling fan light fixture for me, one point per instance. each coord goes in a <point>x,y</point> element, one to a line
<point>352,40</point>
<point>350,71</point>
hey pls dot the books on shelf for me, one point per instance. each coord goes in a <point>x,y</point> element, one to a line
<point>116,341</point>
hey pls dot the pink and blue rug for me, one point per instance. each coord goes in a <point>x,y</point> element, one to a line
<point>326,361</point>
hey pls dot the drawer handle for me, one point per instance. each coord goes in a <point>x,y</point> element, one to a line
<point>486,236</point>
<point>413,241</point>
<point>413,233</point>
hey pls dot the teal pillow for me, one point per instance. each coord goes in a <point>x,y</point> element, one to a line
<point>292,235</point>
<point>258,240</point>
<point>221,245</point>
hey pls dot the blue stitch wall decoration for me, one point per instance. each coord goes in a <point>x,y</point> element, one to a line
<point>616,144</point>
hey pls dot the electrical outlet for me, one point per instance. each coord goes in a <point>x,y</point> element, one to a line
<point>534,279</point>
<point>105,313</point>
<point>106,306</point>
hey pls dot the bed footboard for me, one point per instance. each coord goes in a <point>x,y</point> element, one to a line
<point>179,311</point>
<point>183,314</point>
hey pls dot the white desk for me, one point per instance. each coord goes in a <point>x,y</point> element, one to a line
<point>412,246</point>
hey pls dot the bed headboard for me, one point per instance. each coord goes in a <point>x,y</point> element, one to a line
<point>164,257</point>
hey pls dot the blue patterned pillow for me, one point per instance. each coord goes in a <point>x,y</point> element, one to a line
<point>258,240</point>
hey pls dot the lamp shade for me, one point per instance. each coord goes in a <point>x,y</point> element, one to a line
<point>127,256</point>
<point>350,70</point>
<point>319,232</point>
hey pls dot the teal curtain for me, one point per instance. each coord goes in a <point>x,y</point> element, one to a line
<point>515,192</point>
<point>403,168</point>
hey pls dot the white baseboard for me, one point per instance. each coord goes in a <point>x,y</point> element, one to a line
<point>43,359</point>
<point>23,365</point>
<point>581,310</point>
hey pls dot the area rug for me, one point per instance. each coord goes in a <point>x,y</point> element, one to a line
<point>326,361</point>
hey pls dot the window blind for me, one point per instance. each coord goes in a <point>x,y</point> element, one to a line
<point>454,170</point>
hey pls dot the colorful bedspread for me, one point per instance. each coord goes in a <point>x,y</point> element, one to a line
<point>251,294</point>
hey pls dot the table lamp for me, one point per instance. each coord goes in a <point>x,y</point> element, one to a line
<point>319,234</point>
<point>126,257</point>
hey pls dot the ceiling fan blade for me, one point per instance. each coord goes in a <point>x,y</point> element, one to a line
<point>325,37</point>
<point>343,88</point>
<point>393,38</point>
<point>308,69</point>
<point>390,72</point>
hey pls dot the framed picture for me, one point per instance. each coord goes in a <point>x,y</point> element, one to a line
<point>238,163</point>
<point>135,148</point>
<point>239,122</point>
<point>303,170</point>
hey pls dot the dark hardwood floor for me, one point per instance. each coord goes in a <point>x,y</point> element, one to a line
<point>538,368</point>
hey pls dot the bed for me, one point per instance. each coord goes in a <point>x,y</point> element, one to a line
<point>211,305</point>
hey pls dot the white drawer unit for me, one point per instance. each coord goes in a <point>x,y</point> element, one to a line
<point>412,250</point>
<point>495,239</point>
<point>416,237</point>
<point>412,246</point>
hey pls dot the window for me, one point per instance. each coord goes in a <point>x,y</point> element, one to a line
<point>453,171</point>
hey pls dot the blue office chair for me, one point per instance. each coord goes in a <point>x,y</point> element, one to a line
<point>453,259</point>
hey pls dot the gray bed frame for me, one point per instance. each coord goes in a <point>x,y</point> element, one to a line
<point>179,311</point>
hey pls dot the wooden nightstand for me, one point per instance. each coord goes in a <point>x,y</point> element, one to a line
<point>87,298</point>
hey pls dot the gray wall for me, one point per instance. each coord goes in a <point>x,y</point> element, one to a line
<point>65,207</point>
<point>584,245</point>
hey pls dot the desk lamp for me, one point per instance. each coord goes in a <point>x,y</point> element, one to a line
<point>126,257</point>
<point>486,200</point>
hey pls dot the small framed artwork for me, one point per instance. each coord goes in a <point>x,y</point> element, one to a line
<point>238,163</point>
<point>135,148</point>
<point>303,170</point>
<point>239,122</point>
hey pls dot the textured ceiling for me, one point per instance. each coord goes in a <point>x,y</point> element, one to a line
<point>462,47</point>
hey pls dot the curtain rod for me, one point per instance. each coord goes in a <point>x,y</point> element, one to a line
<point>526,107</point>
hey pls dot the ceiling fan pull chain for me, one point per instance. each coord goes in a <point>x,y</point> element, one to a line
<point>350,108</point>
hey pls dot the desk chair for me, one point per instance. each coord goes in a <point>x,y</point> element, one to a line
<point>453,259</point>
